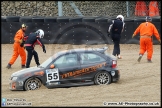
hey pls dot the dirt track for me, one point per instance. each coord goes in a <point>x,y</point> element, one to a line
<point>140,82</point>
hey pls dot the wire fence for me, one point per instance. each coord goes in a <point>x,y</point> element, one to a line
<point>86,8</point>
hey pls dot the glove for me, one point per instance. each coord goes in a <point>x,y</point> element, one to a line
<point>133,35</point>
<point>22,44</point>
<point>159,41</point>
<point>44,50</point>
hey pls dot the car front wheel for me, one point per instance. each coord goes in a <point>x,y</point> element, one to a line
<point>32,84</point>
<point>102,78</point>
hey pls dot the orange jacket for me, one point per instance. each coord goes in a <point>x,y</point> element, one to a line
<point>153,8</point>
<point>19,35</point>
<point>147,29</point>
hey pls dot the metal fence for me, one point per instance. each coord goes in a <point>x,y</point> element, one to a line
<point>70,8</point>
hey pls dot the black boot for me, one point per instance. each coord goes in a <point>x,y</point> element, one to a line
<point>8,66</point>
<point>23,66</point>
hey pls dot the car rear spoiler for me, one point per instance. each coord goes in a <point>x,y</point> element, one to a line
<point>101,50</point>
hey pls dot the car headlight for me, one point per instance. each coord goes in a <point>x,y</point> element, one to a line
<point>14,78</point>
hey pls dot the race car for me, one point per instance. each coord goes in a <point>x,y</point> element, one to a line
<point>74,67</point>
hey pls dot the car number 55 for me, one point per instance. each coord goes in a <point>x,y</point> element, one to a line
<point>52,75</point>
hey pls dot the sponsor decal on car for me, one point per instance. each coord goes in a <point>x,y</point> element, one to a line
<point>83,71</point>
<point>41,73</point>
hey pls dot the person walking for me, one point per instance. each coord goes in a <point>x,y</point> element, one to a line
<point>116,28</point>
<point>17,48</point>
<point>30,42</point>
<point>146,29</point>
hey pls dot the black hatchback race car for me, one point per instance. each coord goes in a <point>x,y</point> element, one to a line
<point>73,67</point>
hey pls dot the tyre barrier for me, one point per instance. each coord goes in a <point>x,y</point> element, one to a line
<point>25,19</point>
<point>28,19</point>
<point>12,18</point>
<point>78,19</point>
<point>140,19</point>
<point>131,19</point>
<point>3,19</point>
<point>102,19</point>
<point>156,19</point>
<point>88,19</point>
<point>73,33</point>
<point>112,18</point>
<point>50,19</point>
<point>62,19</point>
<point>38,19</point>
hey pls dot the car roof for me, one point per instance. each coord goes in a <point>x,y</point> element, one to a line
<point>103,49</point>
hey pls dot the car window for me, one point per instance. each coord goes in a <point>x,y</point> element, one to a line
<point>90,58</point>
<point>66,60</point>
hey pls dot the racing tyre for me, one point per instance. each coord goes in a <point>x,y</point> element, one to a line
<point>131,19</point>
<point>102,78</point>
<point>25,19</point>
<point>101,20</point>
<point>3,19</point>
<point>62,19</point>
<point>50,19</point>
<point>38,19</point>
<point>79,19</point>
<point>140,19</point>
<point>32,84</point>
<point>88,19</point>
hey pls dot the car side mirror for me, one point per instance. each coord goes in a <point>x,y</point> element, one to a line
<point>52,66</point>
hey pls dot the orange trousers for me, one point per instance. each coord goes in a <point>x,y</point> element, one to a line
<point>17,50</point>
<point>146,45</point>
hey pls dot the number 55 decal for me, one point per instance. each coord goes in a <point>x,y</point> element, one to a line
<point>52,75</point>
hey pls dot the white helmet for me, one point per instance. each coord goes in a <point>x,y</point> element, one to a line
<point>120,17</point>
<point>40,32</point>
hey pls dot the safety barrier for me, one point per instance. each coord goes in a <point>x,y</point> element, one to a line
<point>73,30</point>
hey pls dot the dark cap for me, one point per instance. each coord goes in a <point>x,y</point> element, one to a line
<point>148,18</point>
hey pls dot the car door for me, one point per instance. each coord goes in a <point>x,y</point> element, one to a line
<point>67,64</point>
<point>90,63</point>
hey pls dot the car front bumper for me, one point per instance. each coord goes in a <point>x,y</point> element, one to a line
<point>16,85</point>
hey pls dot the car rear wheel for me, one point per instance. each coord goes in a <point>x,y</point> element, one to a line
<point>32,84</point>
<point>102,78</point>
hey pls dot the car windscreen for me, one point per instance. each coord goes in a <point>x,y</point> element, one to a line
<point>47,62</point>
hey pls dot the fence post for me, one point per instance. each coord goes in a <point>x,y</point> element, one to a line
<point>59,8</point>
<point>127,4</point>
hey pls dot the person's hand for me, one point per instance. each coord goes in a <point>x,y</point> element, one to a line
<point>20,41</point>
<point>22,44</point>
<point>133,35</point>
<point>44,50</point>
<point>159,41</point>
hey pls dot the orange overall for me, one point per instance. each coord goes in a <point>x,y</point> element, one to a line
<point>146,30</point>
<point>17,49</point>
